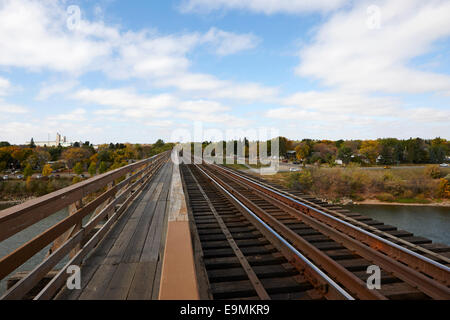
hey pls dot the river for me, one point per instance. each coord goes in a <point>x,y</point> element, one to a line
<point>426,221</point>
<point>12,243</point>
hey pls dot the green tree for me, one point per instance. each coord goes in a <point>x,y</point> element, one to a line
<point>103,167</point>
<point>28,171</point>
<point>78,169</point>
<point>32,144</point>
<point>159,143</point>
<point>92,169</point>
<point>301,180</point>
<point>345,154</point>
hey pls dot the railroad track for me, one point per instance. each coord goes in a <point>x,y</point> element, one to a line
<point>254,245</point>
<point>437,252</point>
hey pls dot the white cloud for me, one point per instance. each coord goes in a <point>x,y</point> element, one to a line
<point>262,6</point>
<point>346,53</point>
<point>48,90</point>
<point>339,102</point>
<point>202,106</point>
<point>362,68</point>
<point>5,86</point>
<point>124,98</point>
<point>11,108</point>
<point>33,35</point>
<point>213,88</point>
<point>229,43</point>
<point>75,115</point>
<point>215,118</point>
<point>160,123</point>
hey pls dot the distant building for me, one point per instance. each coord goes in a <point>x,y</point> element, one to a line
<point>290,154</point>
<point>338,161</point>
<point>59,141</point>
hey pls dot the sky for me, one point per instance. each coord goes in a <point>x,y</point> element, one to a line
<point>135,71</point>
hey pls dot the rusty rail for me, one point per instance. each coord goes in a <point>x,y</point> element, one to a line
<point>356,237</point>
<point>112,203</point>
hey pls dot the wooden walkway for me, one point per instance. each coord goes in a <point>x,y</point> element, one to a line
<point>127,263</point>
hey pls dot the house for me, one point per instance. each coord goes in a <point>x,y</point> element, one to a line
<point>291,154</point>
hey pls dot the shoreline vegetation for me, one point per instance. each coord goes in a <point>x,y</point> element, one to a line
<point>445,203</point>
<point>29,171</point>
<point>429,186</point>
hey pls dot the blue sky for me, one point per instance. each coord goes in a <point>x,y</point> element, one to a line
<point>135,71</point>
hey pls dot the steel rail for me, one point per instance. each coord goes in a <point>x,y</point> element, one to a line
<point>310,264</point>
<point>255,281</point>
<point>426,265</point>
<point>352,221</point>
<point>427,285</point>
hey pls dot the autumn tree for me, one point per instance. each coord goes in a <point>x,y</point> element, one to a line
<point>302,151</point>
<point>76,155</point>
<point>370,149</point>
<point>325,151</point>
<point>78,169</point>
<point>47,170</point>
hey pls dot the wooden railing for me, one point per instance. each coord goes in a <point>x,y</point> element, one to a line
<point>69,237</point>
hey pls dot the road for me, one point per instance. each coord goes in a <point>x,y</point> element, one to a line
<point>35,175</point>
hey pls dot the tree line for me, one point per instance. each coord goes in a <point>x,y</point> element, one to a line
<point>80,157</point>
<point>384,151</point>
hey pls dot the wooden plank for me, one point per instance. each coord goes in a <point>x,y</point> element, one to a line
<point>152,244</point>
<point>135,246</point>
<point>120,282</point>
<point>96,258</point>
<point>142,286</point>
<point>57,282</point>
<point>96,287</point>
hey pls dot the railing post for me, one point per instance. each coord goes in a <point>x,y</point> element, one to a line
<point>72,208</point>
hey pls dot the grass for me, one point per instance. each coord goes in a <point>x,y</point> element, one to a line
<point>405,185</point>
<point>236,166</point>
<point>412,200</point>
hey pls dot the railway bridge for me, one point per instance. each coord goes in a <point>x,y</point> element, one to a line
<point>158,230</point>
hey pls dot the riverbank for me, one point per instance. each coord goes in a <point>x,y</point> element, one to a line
<point>11,203</point>
<point>445,203</point>
<point>403,187</point>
